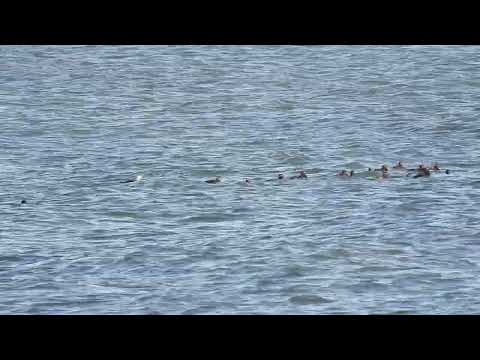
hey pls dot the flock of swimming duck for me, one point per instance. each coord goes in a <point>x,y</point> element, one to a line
<point>381,173</point>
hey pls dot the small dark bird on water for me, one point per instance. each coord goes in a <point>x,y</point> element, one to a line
<point>435,167</point>
<point>23,201</point>
<point>213,181</point>
<point>422,171</point>
<point>301,175</point>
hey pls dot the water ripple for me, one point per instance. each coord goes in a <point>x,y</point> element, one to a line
<point>77,121</point>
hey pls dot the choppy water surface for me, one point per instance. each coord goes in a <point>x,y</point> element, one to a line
<point>77,121</point>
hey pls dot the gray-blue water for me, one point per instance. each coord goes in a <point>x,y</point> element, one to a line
<point>77,121</point>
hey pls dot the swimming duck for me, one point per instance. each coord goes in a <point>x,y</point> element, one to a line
<point>422,171</point>
<point>138,178</point>
<point>301,175</point>
<point>213,181</point>
<point>435,167</point>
